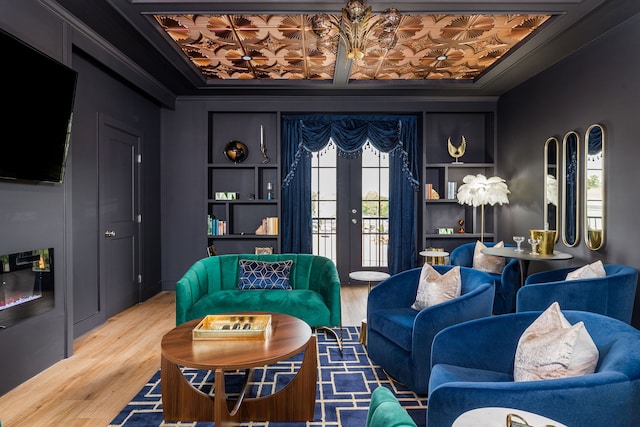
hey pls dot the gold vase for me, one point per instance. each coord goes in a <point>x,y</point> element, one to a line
<point>547,239</point>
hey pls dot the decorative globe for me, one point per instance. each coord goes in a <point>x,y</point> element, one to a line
<point>236,151</point>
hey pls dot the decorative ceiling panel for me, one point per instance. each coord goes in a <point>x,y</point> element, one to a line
<point>284,47</point>
<point>280,46</point>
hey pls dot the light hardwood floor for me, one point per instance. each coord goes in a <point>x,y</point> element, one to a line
<point>110,365</point>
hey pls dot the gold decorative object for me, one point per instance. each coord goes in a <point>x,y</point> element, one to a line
<point>546,239</point>
<point>594,181</point>
<point>263,148</point>
<point>356,28</point>
<point>514,420</point>
<point>227,327</point>
<point>236,151</point>
<point>457,152</point>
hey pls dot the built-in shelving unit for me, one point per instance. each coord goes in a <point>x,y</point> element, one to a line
<point>440,169</point>
<point>247,180</point>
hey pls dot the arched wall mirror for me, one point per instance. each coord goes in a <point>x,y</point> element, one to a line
<point>594,197</point>
<point>570,188</point>
<point>551,164</point>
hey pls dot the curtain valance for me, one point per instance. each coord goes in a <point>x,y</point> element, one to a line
<point>312,133</point>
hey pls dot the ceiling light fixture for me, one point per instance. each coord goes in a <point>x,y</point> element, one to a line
<point>441,58</point>
<point>247,57</point>
<point>355,27</point>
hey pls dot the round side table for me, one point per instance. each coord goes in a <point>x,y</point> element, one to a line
<point>436,257</point>
<point>367,276</point>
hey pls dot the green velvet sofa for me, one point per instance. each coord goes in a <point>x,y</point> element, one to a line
<point>210,286</point>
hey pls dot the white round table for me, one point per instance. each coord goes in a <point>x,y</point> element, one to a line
<point>497,417</point>
<point>367,276</point>
<point>434,257</point>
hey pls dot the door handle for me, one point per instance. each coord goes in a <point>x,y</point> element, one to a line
<point>354,211</point>
<point>109,233</point>
<point>355,221</point>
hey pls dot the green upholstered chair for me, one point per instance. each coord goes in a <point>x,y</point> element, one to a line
<point>386,411</point>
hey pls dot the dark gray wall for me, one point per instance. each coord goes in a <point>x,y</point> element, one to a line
<point>65,216</point>
<point>117,101</point>
<point>184,153</point>
<point>33,216</point>
<point>598,84</point>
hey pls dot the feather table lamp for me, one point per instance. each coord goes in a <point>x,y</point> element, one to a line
<point>478,190</point>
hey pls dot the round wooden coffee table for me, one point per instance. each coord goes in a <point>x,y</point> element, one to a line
<point>183,402</point>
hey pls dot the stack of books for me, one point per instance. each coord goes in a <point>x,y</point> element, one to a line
<point>216,227</point>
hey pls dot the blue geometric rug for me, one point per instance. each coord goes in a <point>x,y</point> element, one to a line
<point>345,384</point>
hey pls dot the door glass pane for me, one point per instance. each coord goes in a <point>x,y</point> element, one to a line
<point>324,202</point>
<point>375,207</point>
<point>373,213</point>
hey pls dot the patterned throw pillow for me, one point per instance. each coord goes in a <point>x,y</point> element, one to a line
<point>588,271</point>
<point>264,275</point>
<point>488,263</point>
<point>553,348</point>
<point>435,288</point>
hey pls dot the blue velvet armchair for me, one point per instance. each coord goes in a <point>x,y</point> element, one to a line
<point>507,283</point>
<point>472,367</point>
<point>612,295</point>
<point>399,338</point>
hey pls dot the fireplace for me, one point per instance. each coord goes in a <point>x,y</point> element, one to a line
<point>26,285</point>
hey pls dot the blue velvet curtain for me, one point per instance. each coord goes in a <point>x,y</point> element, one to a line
<point>396,135</point>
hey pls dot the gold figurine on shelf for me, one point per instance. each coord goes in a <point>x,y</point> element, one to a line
<point>457,152</point>
<point>263,148</point>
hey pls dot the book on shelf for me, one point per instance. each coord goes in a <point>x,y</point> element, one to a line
<point>268,226</point>
<point>216,227</point>
<point>272,225</point>
<point>430,193</point>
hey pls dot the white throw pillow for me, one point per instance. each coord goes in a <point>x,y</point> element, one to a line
<point>488,263</point>
<point>589,271</point>
<point>435,288</point>
<point>553,348</point>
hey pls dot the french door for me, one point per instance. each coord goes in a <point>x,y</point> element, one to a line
<point>350,209</point>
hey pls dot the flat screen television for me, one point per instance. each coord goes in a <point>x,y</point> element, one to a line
<point>35,125</point>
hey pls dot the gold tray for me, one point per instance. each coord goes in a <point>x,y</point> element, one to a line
<point>229,327</point>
